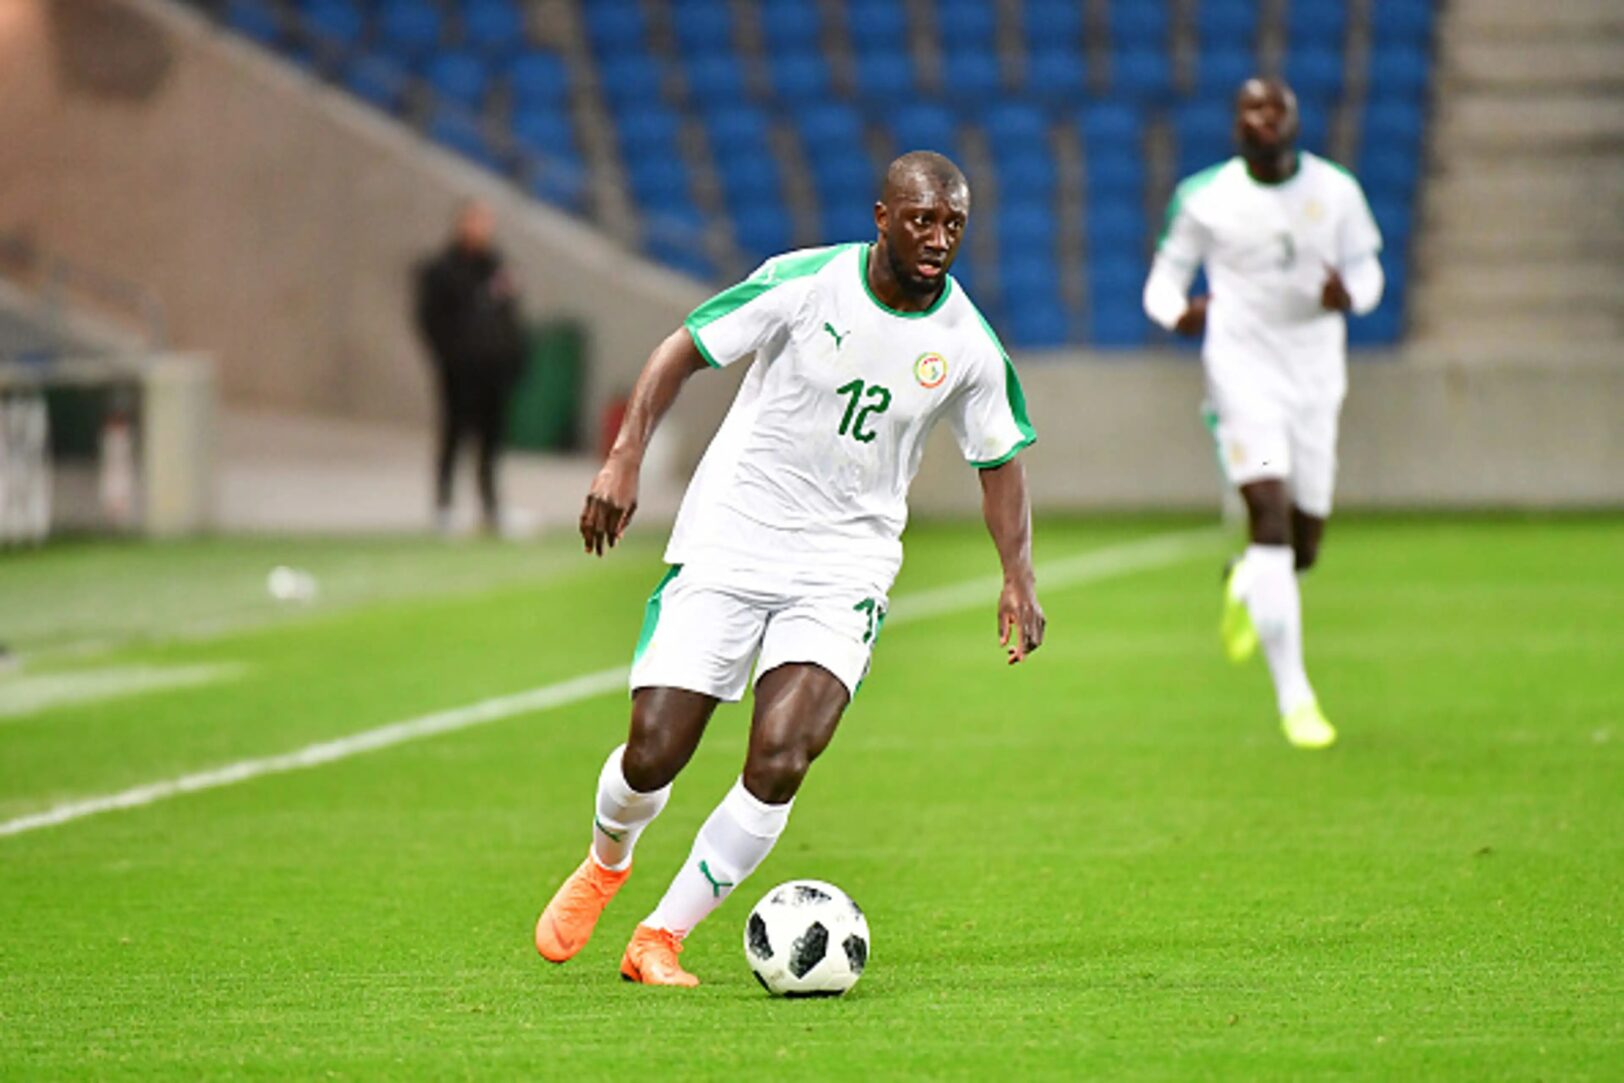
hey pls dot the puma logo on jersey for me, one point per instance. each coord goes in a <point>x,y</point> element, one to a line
<point>836,335</point>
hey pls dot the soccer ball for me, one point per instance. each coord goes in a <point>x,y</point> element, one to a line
<point>806,938</point>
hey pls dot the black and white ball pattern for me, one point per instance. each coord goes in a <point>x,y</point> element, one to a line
<point>806,938</point>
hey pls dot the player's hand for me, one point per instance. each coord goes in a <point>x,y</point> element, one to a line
<point>1194,320</point>
<point>1020,620</point>
<point>1334,294</point>
<point>610,504</point>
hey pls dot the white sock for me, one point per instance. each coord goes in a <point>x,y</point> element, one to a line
<point>622,814</point>
<point>738,837</point>
<point>1272,599</point>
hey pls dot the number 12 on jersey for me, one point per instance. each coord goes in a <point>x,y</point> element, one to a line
<point>856,416</point>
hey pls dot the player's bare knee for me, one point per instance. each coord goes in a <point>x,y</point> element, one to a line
<point>774,774</point>
<point>1307,556</point>
<point>650,762</point>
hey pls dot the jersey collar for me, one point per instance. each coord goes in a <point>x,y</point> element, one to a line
<point>862,273</point>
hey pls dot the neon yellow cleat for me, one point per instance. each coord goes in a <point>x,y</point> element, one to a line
<point>1307,727</point>
<point>1235,625</point>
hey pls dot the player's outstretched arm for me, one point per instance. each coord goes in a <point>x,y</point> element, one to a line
<point>613,496</point>
<point>1009,520</point>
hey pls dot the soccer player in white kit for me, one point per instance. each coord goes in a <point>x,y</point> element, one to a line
<point>1290,247</point>
<point>789,536</point>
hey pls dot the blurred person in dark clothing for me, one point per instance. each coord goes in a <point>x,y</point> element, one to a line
<point>468,315</point>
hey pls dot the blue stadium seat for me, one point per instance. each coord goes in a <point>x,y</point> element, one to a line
<point>971,73</point>
<point>1013,125</point>
<point>1203,133</point>
<point>1115,226</point>
<point>1056,75</point>
<point>749,178</point>
<point>800,77</point>
<point>1143,75</point>
<point>254,19</point>
<point>1226,23</point>
<point>703,26</point>
<point>1024,226</point>
<point>1139,24</point>
<point>924,126</point>
<point>830,125</point>
<point>545,129</point>
<point>790,24</point>
<point>629,81</point>
<point>1027,173</point>
<point>649,130</point>
<point>877,25</point>
<point>1220,71</point>
<point>460,132</point>
<point>1320,23</point>
<point>339,23</point>
<point>1402,22</point>
<point>674,234</point>
<point>459,77</point>
<point>967,20</point>
<point>762,229</point>
<point>964,273</point>
<point>1315,72</point>
<point>559,181</point>
<point>1390,170</point>
<point>614,28</point>
<point>844,178</point>
<point>660,185</point>
<point>884,75</point>
<point>739,127</point>
<point>1052,24</point>
<point>1114,172</point>
<point>494,27</point>
<point>714,78</point>
<point>538,78</point>
<point>1315,118</point>
<point>1115,284</point>
<point>843,221</point>
<point>1394,218</point>
<point>410,28</point>
<point>1398,71</point>
<point>1393,122</point>
<point>377,80</point>
<point>1385,325</point>
<point>1110,123</point>
<point>1036,320</point>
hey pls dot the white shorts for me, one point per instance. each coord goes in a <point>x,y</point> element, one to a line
<point>704,629</point>
<point>1298,446</point>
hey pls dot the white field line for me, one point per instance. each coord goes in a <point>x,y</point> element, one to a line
<point>1106,563</point>
<point>29,694</point>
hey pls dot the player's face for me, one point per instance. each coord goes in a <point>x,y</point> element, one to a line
<point>1265,117</point>
<point>476,227</point>
<point>922,226</point>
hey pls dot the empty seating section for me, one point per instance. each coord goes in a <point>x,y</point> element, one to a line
<point>1083,113</point>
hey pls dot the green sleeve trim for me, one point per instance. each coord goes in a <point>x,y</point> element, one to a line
<point>769,276</point>
<point>1015,394</point>
<point>1188,187</point>
<point>651,612</point>
<point>699,344</point>
<point>1020,445</point>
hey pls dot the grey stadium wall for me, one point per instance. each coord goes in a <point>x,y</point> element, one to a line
<point>277,220</point>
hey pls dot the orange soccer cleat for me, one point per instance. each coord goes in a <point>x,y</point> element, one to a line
<point>651,958</point>
<point>567,923</point>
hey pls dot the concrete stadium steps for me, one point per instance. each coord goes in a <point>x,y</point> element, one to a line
<point>1524,210</point>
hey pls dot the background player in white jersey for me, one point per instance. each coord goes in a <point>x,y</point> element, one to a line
<point>1289,247</point>
<point>789,536</point>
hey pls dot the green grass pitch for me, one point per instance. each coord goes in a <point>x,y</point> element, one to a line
<point>1103,864</point>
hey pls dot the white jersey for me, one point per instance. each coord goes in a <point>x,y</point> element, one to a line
<point>1266,248</point>
<point>811,468</point>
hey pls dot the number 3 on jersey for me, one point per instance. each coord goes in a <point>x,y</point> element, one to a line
<point>857,416</point>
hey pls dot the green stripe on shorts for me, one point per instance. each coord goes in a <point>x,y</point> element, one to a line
<point>651,612</point>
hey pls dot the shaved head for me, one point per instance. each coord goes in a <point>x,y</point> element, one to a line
<point>923,169</point>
